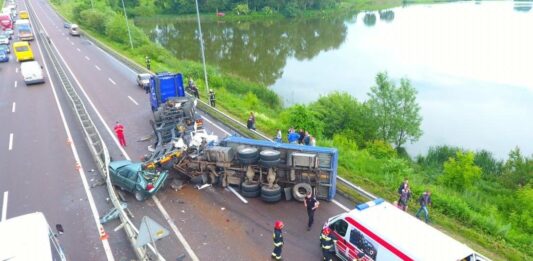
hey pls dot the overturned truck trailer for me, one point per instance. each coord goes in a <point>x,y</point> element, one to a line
<point>264,168</point>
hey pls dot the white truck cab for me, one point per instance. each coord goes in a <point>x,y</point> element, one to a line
<point>32,72</point>
<point>378,230</point>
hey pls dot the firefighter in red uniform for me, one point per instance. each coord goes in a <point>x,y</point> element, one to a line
<point>278,240</point>
<point>119,130</point>
<point>327,242</point>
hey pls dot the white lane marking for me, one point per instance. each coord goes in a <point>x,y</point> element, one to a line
<point>17,70</point>
<point>71,43</point>
<point>15,84</point>
<point>78,49</point>
<point>92,204</point>
<point>133,100</point>
<point>14,106</point>
<point>63,34</point>
<point>212,123</point>
<point>340,205</point>
<point>10,147</point>
<point>97,68</point>
<point>111,80</point>
<point>175,229</point>
<point>87,58</point>
<point>68,38</point>
<point>109,131</point>
<point>4,207</point>
<point>237,194</point>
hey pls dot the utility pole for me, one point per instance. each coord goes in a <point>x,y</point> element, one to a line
<point>202,47</point>
<point>127,24</point>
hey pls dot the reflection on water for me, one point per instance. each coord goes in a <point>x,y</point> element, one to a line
<point>470,62</point>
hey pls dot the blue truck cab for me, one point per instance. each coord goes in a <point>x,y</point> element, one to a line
<point>165,86</point>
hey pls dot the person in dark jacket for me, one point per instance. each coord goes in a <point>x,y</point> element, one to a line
<point>212,98</point>
<point>424,201</point>
<point>327,242</point>
<point>405,195</point>
<point>311,204</point>
<point>251,121</point>
<point>278,240</point>
<point>301,137</point>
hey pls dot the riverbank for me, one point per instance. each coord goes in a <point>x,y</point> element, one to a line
<point>473,214</point>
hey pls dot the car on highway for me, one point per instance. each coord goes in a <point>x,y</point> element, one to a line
<point>24,15</point>
<point>32,72</point>
<point>136,179</point>
<point>22,51</point>
<point>74,30</point>
<point>143,80</point>
<point>4,56</point>
<point>4,39</point>
<point>5,48</point>
<point>9,33</point>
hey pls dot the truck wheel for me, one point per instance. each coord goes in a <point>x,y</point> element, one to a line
<point>248,155</point>
<point>269,155</point>
<point>250,187</point>
<point>269,192</point>
<point>250,194</point>
<point>139,196</point>
<point>271,199</point>
<point>197,180</point>
<point>300,190</point>
<point>269,163</point>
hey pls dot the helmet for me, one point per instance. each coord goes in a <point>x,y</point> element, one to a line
<point>279,224</point>
<point>326,231</point>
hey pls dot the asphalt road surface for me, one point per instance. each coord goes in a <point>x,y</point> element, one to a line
<point>213,221</point>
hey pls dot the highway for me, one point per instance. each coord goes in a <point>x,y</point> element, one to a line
<point>209,223</point>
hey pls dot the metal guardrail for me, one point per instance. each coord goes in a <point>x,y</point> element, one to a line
<point>93,139</point>
<point>233,123</point>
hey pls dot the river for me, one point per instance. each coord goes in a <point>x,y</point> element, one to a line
<point>471,63</point>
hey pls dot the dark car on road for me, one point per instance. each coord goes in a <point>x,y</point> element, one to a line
<point>134,178</point>
<point>4,57</point>
<point>5,48</point>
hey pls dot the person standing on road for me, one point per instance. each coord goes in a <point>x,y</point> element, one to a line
<point>327,242</point>
<point>424,201</point>
<point>278,240</point>
<point>311,204</point>
<point>119,131</point>
<point>251,121</point>
<point>212,98</point>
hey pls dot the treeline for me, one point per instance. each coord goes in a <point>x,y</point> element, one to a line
<point>239,7</point>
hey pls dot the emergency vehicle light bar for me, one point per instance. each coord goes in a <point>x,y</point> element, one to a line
<point>368,204</point>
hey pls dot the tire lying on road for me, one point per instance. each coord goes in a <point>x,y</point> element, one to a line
<point>300,190</point>
<point>248,155</point>
<point>250,189</point>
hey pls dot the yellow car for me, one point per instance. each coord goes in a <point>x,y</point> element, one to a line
<point>22,51</point>
<point>24,15</point>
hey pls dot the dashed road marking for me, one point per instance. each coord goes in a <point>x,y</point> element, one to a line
<point>87,58</point>
<point>78,49</point>
<point>17,70</point>
<point>14,106</point>
<point>71,43</point>
<point>4,207</point>
<point>340,205</point>
<point>133,100</point>
<point>111,80</point>
<point>10,147</point>
<point>97,68</point>
<point>16,84</point>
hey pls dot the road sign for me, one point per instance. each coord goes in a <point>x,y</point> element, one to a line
<point>149,232</point>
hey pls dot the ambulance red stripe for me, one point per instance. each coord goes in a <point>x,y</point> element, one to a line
<point>379,240</point>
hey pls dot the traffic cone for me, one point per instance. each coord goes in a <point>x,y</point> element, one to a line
<point>103,234</point>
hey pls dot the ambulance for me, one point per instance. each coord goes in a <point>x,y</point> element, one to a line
<point>380,231</point>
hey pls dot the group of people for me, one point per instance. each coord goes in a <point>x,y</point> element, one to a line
<point>194,91</point>
<point>424,200</point>
<point>298,137</point>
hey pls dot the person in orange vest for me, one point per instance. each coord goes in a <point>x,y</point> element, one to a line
<point>278,240</point>
<point>119,130</point>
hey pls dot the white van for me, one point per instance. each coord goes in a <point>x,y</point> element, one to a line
<point>74,30</point>
<point>380,231</point>
<point>32,72</point>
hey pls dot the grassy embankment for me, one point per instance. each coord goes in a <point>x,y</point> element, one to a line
<point>481,227</point>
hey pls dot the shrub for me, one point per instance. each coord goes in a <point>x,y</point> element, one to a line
<point>241,9</point>
<point>460,172</point>
<point>380,149</point>
<point>94,19</point>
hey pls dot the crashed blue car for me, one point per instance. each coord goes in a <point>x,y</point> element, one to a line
<point>4,57</point>
<point>136,179</point>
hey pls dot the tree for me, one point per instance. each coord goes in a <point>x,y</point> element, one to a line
<point>460,171</point>
<point>300,116</point>
<point>395,110</point>
<point>517,170</point>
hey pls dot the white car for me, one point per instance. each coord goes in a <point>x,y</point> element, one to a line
<point>4,39</point>
<point>32,72</point>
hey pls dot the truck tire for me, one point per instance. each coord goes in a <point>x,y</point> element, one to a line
<point>300,190</point>
<point>269,163</point>
<point>139,196</point>
<point>250,194</point>
<point>269,155</point>
<point>248,155</point>
<point>197,180</point>
<point>250,187</point>
<point>269,192</point>
<point>271,199</point>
